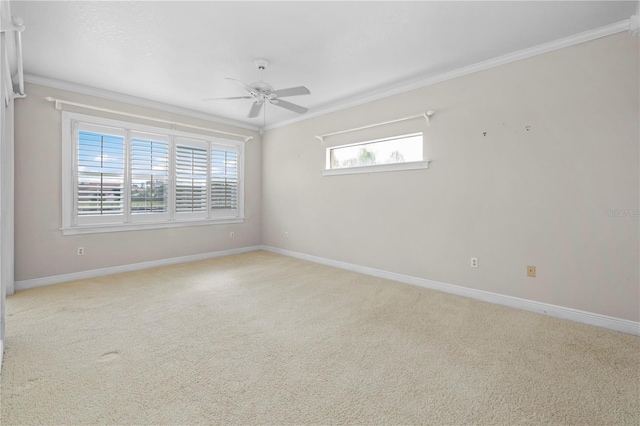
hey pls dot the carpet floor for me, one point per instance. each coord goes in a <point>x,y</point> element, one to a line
<point>260,338</point>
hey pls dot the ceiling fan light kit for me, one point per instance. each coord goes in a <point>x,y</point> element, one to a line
<point>262,92</point>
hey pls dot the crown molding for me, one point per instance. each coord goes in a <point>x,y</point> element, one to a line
<point>412,84</point>
<point>133,100</point>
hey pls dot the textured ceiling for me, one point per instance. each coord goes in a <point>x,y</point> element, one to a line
<point>180,52</point>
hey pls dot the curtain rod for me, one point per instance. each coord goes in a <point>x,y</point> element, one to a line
<point>16,24</point>
<point>425,115</point>
<point>60,102</point>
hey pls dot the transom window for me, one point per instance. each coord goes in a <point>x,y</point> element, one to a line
<point>399,149</point>
<point>396,153</point>
<point>121,176</point>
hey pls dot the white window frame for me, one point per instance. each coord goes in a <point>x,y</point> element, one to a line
<point>201,144</point>
<point>391,167</point>
<point>90,220</point>
<point>149,217</point>
<point>131,222</point>
<point>221,212</point>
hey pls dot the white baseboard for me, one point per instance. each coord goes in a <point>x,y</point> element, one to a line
<point>611,323</point>
<point>94,273</point>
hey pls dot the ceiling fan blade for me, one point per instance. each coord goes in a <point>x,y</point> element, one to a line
<point>245,85</point>
<point>289,106</point>
<point>255,109</point>
<point>292,91</point>
<point>233,97</point>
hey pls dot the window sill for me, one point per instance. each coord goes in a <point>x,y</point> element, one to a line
<point>414,165</point>
<point>120,227</point>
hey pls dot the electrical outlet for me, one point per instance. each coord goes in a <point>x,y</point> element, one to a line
<point>531,271</point>
<point>231,234</point>
<point>286,234</point>
<point>474,262</point>
<point>80,251</point>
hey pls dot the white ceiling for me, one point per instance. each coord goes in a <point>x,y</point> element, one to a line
<point>179,52</point>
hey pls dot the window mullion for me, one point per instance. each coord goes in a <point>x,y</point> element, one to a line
<point>127,178</point>
<point>171,204</point>
<point>209,148</point>
<point>74,172</point>
<point>240,175</point>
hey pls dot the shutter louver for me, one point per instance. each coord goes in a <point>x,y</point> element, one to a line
<point>149,176</point>
<point>224,179</point>
<point>100,174</point>
<point>191,179</point>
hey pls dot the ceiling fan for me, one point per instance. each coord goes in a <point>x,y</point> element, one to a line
<point>262,92</point>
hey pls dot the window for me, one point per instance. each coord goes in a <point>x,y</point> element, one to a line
<point>396,153</point>
<point>224,180</point>
<point>149,177</point>
<point>123,176</point>
<point>191,179</point>
<point>100,174</point>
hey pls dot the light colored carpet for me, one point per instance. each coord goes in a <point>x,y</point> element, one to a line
<point>266,339</point>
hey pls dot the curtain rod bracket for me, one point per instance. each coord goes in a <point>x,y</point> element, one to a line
<point>427,115</point>
<point>15,24</point>
<point>56,102</point>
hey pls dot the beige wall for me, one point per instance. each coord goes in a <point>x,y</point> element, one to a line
<point>40,248</point>
<point>511,198</point>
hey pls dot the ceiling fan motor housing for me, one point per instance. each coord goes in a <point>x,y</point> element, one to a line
<point>262,87</point>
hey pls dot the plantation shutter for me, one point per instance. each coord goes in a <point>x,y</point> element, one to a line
<point>224,181</point>
<point>100,171</point>
<point>149,176</point>
<point>191,179</point>
<point>119,176</point>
